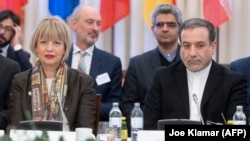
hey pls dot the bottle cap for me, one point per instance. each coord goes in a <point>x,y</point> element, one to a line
<point>239,106</point>
<point>230,122</point>
<point>137,104</point>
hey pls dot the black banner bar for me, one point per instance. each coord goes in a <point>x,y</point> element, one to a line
<point>215,132</point>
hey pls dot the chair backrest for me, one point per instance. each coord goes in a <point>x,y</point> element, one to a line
<point>97,116</point>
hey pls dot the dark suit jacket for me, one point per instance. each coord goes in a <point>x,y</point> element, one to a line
<point>167,97</point>
<point>80,102</point>
<point>243,66</point>
<point>7,71</point>
<point>20,56</point>
<point>138,79</point>
<point>103,62</point>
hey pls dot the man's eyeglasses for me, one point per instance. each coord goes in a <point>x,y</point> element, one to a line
<point>8,29</point>
<point>169,24</point>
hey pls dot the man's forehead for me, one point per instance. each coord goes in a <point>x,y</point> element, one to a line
<point>7,22</point>
<point>93,19</point>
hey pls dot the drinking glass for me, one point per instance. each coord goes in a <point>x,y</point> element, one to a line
<point>103,133</point>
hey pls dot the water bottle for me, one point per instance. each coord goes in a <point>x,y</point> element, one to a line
<point>115,121</point>
<point>239,118</point>
<point>136,121</point>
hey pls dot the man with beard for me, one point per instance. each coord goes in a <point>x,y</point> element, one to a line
<point>166,20</point>
<point>195,88</point>
<point>10,36</point>
<point>105,68</point>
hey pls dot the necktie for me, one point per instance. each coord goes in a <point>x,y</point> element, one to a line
<point>82,65</point>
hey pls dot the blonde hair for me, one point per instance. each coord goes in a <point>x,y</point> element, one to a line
<point>52,28</point>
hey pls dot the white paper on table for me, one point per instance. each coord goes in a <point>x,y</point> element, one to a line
<point>2,133</point>
<point>24,135</point>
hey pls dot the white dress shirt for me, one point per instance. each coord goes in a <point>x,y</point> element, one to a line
<point>196,85</point>
<point>5,49</point>
<point>77,55</point>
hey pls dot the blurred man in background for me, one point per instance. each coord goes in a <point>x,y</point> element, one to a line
<point>105,68</point>
<point>10,39</point>
<point>166,19</point>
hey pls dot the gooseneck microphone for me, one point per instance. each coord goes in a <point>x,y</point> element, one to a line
<point>65,120</point>
<point>195,98</point>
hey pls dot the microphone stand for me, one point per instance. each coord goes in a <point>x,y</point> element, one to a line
<point>195,98</point>
<point>65,120</point>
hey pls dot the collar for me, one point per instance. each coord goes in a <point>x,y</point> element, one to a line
<point>89,50</point>
<point>4,50</point>
<point>169,56</point>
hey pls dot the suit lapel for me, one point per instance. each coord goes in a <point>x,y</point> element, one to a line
<point>155,58</point>
<point>28,92</point>
<point>178,57</point>
<point>212,81</point>
<point>11,53</point>
<point>69,59</point>
<point>95,63</point>
<point>181,79</point>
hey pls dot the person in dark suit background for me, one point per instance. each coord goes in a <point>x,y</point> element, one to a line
<point>10,38</point>
<point>103,67</point>
<point>242,66</point>
<point>8,70</point>
<point>197,87</point>
<point>36,93</point>
<point>166,19</point>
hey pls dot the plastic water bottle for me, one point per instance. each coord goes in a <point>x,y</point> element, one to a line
<point>115,121</point>
<point>136,121</point>
<point>239,118</point>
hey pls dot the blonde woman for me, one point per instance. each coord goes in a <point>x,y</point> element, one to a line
<point>38,93</point>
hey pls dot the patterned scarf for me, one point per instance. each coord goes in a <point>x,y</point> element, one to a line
<point>45,106</point>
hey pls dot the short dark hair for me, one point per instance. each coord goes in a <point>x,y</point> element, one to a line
<point>167,9</point>
<point>5,14</point>
<point>198,22</point>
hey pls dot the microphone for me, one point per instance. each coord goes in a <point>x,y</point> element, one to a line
<point>65,120</point>
<point>224,119</point>
<point>195,98</point>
